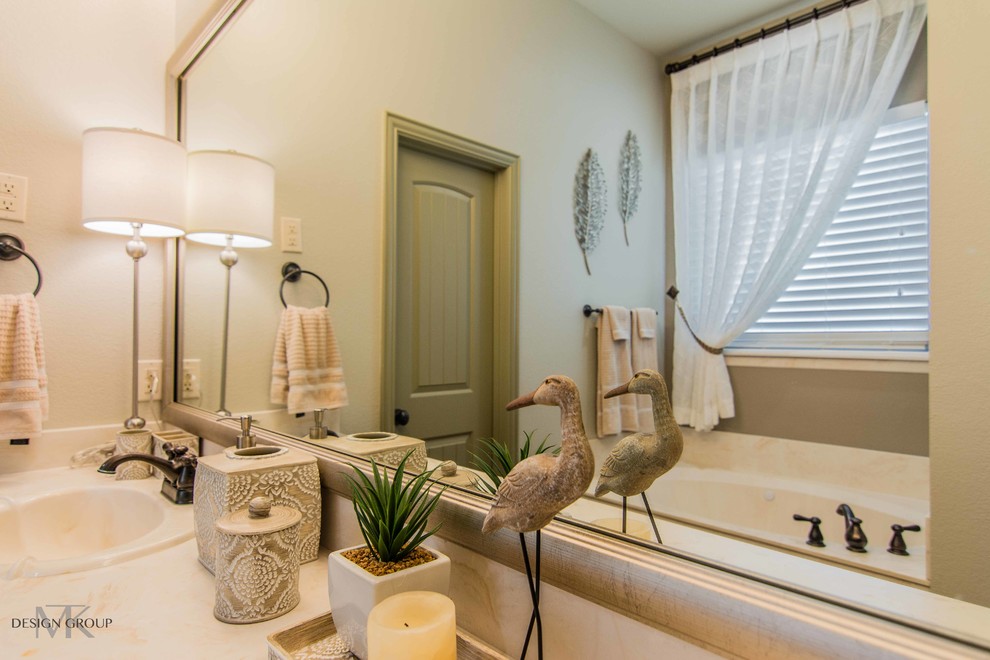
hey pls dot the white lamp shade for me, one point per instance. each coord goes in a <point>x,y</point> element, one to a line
<point>230,194</point>
<point>128,177</point>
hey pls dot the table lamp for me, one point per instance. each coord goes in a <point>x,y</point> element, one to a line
<point>133,184</point>
<point>230,203</point>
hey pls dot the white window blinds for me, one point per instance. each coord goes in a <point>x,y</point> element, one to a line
<point>866,284</point>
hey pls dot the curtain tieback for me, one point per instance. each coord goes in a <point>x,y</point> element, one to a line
<point>672,293</point>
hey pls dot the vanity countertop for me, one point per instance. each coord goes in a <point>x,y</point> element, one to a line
<point>160,606</point>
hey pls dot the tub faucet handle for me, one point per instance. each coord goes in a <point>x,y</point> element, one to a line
<point>897,544</point>
<point>815,536</point>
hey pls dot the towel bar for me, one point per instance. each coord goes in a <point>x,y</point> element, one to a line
<point>589,310</point>
<point>12,248</point>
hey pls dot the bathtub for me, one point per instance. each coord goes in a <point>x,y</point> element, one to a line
<point>63,520</point>
<point>748,488</point>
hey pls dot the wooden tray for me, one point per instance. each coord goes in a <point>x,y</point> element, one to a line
<point>317,639</point>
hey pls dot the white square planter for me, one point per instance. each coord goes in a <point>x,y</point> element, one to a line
<point>354,591</point>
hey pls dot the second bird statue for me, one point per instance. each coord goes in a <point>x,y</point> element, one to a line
<point>538,487</point>
<point>638,460</point>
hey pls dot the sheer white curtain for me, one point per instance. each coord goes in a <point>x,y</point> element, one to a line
<point>766,140</point>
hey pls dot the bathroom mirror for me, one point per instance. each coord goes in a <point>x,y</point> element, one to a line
<point>314,102</point>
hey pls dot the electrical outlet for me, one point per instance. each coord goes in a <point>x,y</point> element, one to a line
<point>291,235</point>
<point>150,380</point>
<point>190,379</point>
<point>13,197</point>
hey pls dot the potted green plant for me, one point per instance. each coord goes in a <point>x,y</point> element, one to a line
<point>394,518</point>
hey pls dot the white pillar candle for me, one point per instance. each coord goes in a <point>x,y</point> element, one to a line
<point>414,625</point>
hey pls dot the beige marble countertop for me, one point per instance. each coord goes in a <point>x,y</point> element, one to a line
<point>160,606</point>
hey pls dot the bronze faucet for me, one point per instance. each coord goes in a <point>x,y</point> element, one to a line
<point>855,537</point>
<point>179,470</point>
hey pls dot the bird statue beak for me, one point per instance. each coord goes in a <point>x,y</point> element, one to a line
<point>521,402</point>
<point>621,389</point>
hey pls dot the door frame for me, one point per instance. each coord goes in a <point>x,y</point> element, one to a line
<point>403,132</point>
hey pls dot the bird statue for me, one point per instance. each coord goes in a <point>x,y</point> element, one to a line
<point>640,459</point>
<point>538,487</point>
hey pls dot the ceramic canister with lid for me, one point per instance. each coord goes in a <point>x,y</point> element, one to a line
<point>257,562</point>
<point>228,481</point>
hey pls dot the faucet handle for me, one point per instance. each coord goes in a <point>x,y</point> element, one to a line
<point>246,421</point>
<point>815,537</point>
<point>897,544</point>
<point>174,451</point>
<point>178,455</point>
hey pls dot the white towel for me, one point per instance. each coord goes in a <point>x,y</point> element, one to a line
<point>614,369</point>
<point>23,382</point>
<point>306,368</point>
<point>644,356</point>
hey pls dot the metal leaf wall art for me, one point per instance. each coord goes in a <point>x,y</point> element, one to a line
<point>590,201</point>
<point>630,180</point>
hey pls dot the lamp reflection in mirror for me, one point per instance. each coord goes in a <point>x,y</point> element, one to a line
<point>230,203</point>
<point>133,184</point>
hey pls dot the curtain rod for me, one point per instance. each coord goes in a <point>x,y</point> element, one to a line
<point>762,33</point>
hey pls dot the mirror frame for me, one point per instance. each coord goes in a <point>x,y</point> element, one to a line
<point>714,606</point>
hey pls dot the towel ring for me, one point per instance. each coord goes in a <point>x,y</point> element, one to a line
<point>291,272</point>
<point>12,248</point>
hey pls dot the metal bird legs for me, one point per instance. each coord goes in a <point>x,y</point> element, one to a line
<point>649,512</point>
<point>534,591</point>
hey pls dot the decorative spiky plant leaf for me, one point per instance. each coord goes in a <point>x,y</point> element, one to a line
<point>393,516</point>
<point>590,202</point>
<point>630,180</point>
<point>496,461</point>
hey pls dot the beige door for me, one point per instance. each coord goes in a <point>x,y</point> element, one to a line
<point>443,342</point>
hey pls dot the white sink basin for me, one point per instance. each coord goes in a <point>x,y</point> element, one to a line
<point>63,520</point>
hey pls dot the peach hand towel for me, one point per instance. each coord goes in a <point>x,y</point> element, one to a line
<point>306,369</point>
<point>23,381</point>
<point>644,356</point>
<point>614,368</point>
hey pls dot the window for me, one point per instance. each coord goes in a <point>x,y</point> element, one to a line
<point>865,287</point>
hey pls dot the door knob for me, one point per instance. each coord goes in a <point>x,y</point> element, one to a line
<point>401,417</point>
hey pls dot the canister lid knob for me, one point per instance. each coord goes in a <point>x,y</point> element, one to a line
<point>259,507</point>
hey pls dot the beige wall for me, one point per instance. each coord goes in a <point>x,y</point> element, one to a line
<point>306,85</point>
<point>877,410</point>
<point>65,67</point>
<point>959,93</point>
